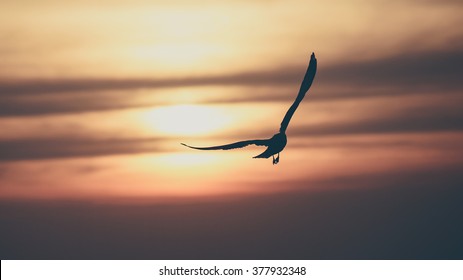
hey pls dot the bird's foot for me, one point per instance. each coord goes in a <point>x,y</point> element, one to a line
<point>276,160</point>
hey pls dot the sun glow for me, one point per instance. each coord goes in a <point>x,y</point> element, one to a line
<point>186,119</point>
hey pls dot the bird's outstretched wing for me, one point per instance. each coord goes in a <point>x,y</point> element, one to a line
<point>236,145</point>
<point>306,83</point>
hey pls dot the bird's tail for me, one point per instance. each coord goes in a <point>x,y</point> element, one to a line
<point>265,154</point>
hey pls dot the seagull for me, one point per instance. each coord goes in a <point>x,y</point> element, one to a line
<point>277,143</point>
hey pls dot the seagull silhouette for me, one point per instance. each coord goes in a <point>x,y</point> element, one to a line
<point>277,143</point>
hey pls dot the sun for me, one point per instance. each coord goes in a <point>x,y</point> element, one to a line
<point>186,119</point>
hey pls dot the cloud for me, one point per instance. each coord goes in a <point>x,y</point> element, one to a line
<point>52,148</point>
<point>404,115</point>
<point>68,103</point>
<point>42,86</point>
<point>431,120</point>
<point>437,69</point>
<point>437,72</point>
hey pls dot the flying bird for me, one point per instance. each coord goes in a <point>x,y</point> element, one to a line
<point>277,143</point>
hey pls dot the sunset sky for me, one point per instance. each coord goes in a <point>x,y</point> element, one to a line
<point>96,97</point>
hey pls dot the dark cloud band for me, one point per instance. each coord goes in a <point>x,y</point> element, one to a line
<point>437,72</point>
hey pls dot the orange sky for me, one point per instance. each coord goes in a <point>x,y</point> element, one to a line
<point>95,98</point>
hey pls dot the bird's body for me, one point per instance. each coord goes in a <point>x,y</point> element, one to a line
<point>277,143</point>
